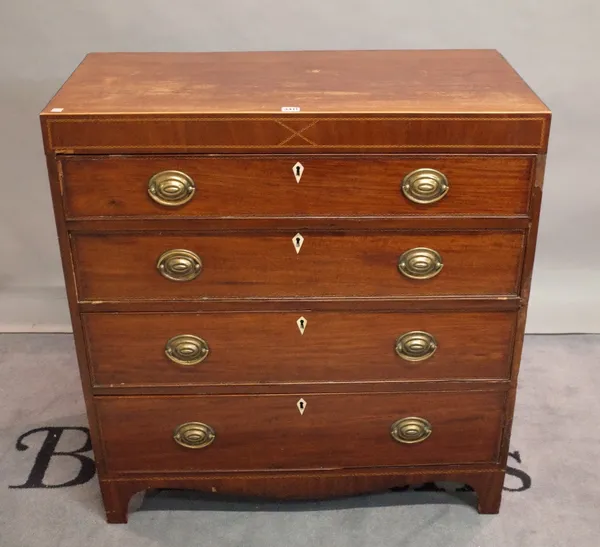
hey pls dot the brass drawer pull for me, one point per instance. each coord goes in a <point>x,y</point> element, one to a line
<point>410,430</point>
<point>171,188</point>
<point>186,349</point>
<point>179,265</point>
<point>416,346</point>
<point>425,186</point>
<point>194,435</point>
<point>420,263</point>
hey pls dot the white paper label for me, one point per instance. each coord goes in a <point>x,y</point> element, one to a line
<point>290,109</point>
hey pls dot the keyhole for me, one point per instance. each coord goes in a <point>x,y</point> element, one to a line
<point>302,323</point>
<point>297,242</point>
<point>301,403</point>
<point>297,170</point>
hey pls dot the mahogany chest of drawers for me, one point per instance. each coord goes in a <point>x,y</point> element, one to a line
<point>297,275</point>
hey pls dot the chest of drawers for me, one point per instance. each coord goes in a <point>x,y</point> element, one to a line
<point>297,275</point>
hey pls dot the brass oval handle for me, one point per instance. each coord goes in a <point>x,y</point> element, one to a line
<point>179,265</point>
<point>420,263</point>
<point>171,188</point>
<point>410,430</point>
<point>194,435</point>
<point>186,349</point>
<point>425,186</point>
<point>416,345</point>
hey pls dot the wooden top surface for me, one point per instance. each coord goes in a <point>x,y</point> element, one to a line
<point>401,81</point>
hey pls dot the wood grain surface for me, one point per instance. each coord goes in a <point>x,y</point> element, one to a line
<point>486,483</point>
<point>262,186</point>
<point>268,431</point>
<point>361,101</point>
<point>361,121</point>
<point>128,349</point>
<point>277,134</point>
<point>409,81</point>
<point>245,266</point>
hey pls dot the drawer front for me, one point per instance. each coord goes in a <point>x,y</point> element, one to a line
<point>267,187</point>
<point>269,431</point>
<point>124,267</point>
<point>269,348</point>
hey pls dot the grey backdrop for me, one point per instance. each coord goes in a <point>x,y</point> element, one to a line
<point>553,44</point>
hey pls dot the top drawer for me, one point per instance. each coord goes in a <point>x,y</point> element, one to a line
<point>295,186</point>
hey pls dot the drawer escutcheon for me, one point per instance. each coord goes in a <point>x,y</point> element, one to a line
<point>187,349</point>
<point>420,263</point>
<point>171,188</point>
<point>411,430</point>
<point>179,265</point>
<point>194,435</point>
<point>416,346</point>
<point>425,186</point>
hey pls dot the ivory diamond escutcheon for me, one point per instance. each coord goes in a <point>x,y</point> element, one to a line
<point>298,169</point>
<point>301,404</point>
<point>298,241</point>
<point>301,322</point>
